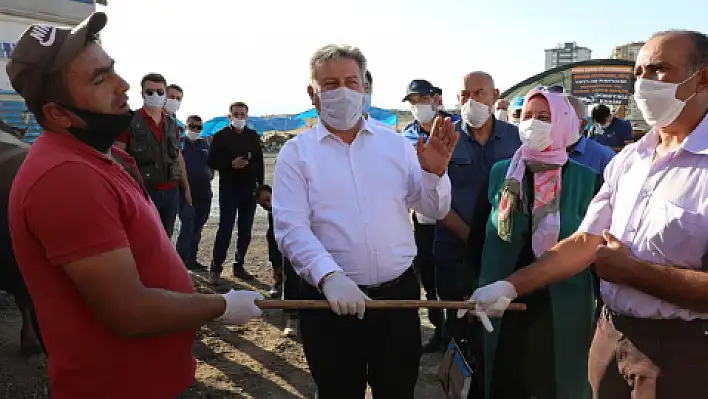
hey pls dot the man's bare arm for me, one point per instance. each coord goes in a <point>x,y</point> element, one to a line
<point>110,285</point>
<point>686,288</point>
<point>564,260</point>
<point>454,223</point>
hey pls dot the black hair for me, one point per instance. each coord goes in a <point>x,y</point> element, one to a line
<point>600,113</point>
<point>194,117</point>
<point>262,188</point>
<point>153,77</point>
<point>369,78</point>
<point>175,87</point>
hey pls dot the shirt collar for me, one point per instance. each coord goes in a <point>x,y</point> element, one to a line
<point>322,132</point>
<point>696,142</point>
<point>496,128</point>
<point>581,145</point>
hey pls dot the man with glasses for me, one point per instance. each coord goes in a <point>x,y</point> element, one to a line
<point>195,151</point>
<point>153,141</point>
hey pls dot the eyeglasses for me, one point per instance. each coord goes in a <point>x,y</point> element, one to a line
<point>196,128</point>
<point>150,92</point>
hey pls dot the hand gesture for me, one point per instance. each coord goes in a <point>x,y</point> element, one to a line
<point>434,155</point>
<point>613,260</point>
<point>239,163</point>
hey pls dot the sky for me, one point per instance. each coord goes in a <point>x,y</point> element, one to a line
<point>257,51</point>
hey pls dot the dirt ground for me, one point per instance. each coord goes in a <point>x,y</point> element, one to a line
<point>252,361</point>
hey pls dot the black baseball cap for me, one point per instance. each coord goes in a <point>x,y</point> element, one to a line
<point>43,49</point>
<point>437,90</point>
<point>419,86</point>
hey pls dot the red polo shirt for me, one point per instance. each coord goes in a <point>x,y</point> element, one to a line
<point>157,130</point>
<point>67,203</point>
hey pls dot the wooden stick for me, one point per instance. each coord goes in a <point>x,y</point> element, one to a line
<point>376,304</point>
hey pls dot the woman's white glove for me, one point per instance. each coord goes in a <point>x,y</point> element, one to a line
<point>491,300</point>
<point>344,295</point>
<point>241,307</point>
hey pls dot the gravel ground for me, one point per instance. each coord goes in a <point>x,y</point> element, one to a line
<point>251,361</point>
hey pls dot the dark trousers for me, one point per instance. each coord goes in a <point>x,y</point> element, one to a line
<point>193,219</point>
<point>455,281</point>
<point>291,280</point>
<point>424,265</point>
<point>648,358</point>
<point>383,349</point>
<point>234,202</point>
<point>524,364</point>
<point>167,203</point>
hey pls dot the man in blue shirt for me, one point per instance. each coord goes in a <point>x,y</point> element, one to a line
<point>195,151</point>
<point>610,130</point>
<point>585,151</point>
<point>484,140</point>
<point>425,102</point>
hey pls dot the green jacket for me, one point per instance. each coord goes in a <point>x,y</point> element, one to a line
<point>572,301</point>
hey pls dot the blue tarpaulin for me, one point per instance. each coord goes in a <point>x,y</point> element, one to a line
<point>380,114</point>
<point>256,123</point>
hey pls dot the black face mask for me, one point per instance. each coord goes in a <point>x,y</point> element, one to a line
<point>101,130</point>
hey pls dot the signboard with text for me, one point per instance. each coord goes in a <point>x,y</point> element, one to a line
<point>610,85</point>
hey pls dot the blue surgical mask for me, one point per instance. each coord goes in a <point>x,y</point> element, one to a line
<point>367,103</point>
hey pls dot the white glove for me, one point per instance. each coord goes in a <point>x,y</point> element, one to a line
<point>344,295</point>
<point>492,299</point>
<point>240,307</point>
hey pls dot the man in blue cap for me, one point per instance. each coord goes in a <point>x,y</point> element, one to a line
<point>426,103</point>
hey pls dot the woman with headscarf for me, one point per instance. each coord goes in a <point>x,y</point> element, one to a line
<point>533,200</point>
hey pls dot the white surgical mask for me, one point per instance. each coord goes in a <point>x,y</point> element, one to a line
<point>657,101</point>
<point>238,123</point>
<point>154,101</point>
<point>441,108</point>
<point>423,113</point>
<point>501,115</point>
<point>515,121</point>
<point>193,136</point>
<point>535,134</point>
<point>474,113</point>
<point>172,105</point>
<point>341,108</point>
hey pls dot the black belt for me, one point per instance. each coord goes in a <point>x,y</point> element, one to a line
<point>669,328</point>
<point>383,288</point>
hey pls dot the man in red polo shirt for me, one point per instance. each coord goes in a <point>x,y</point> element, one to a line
<point>153,141</point>
<point>116,305</point>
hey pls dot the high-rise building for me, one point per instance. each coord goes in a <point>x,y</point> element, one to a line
<point>566,53</point>
<point>627,52</point>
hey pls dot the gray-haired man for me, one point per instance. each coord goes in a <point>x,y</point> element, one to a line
<point>341,196</point>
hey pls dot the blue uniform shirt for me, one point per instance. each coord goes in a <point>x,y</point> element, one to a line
<point>469,174</point>
<point>196,154</point>
<point>414,129</point>
<point>592,154</point>
<point>614,135</point>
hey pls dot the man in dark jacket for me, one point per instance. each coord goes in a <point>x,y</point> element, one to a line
<point>237,155</point>
<point>195,151</point>
<point>12,154</point>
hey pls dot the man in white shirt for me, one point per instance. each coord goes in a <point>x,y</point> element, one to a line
<point>342,191</point>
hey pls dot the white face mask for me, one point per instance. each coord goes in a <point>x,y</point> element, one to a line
<point>341,108</point>
<point>154,101</point>
<point>535,134</point>
<point>515,121</point>
<point>501,115</point>
<point>474,113</point>
<point>657,101</point>
<point>238,123</point>
<point>193,136</point>
<point>423,113</point>
<point>172,105</point>
<point>441,108</point>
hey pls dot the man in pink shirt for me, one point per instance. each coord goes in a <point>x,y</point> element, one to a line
<point>647,238</point>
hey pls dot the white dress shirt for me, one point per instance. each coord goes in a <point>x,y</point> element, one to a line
<point>344,207</point>
<point>660,210</point>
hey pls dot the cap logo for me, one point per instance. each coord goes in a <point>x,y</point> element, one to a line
<point>40,32</point>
